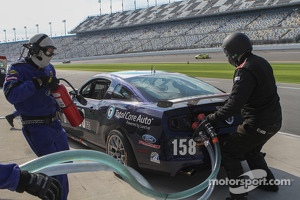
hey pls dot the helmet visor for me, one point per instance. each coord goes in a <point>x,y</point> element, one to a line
<point>49,51</point>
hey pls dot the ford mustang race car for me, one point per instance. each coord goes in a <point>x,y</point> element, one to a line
<point>144,118</point>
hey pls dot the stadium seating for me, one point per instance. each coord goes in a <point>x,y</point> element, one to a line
<point>186,24</point>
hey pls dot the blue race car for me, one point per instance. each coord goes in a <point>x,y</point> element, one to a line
<point>144,118</point>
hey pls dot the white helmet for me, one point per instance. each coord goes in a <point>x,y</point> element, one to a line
<point>41,49</point>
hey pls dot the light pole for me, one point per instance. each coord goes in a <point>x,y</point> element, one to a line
<point>100,6</point>
<point>37,28</point>
<point>4,35</point>
<point>14,29</point>
<point>110,6</point>
<point>50,24</point>
<point>64,21</point>
<point>25,27</point>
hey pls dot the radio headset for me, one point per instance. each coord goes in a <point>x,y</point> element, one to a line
<point>34,48</point>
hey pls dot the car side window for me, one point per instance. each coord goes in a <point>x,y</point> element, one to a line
<point>121,92</point>
<point>95,89</point>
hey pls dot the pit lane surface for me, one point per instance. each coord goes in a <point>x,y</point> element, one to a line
<point>282,156</point>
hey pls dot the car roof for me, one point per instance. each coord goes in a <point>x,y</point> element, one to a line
<point>132,73</point>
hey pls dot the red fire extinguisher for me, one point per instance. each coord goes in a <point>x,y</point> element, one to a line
<point>65,102</point>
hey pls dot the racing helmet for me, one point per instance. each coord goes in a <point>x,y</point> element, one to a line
<point>234,46</point>
<point>41,49</point>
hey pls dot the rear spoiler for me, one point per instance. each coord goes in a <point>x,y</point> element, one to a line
<point>190,100</point>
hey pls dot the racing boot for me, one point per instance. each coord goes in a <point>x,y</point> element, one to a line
<point>10,119</point>
<point>269,187</point>
<point>257,161</point>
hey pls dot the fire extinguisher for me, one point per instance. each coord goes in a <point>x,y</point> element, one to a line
<point>67,105</point>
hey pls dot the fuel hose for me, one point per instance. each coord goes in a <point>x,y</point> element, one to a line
<point>90,160</point>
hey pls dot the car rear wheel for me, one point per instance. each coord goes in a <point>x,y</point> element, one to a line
<point>118,146</point>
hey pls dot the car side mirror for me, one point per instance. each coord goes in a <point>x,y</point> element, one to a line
<point>73,93</point>
<point>81,99</point>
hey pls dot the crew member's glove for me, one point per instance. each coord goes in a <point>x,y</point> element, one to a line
<point>211,118</point>
<point>53,83</point>
<point>43,81</point>
<point>40,185</point>
<point>40,81</point>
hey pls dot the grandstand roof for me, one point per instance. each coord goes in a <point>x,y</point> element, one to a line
<point>175,11</point>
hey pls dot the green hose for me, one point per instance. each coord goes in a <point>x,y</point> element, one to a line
<point>55,159</point>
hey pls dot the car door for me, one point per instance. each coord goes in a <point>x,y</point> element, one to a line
<point>94,112</point>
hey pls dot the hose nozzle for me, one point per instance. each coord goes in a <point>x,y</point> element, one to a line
<point>203,130</point>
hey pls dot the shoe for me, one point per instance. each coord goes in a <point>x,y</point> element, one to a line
<point>10,119</point>
<point>269,188</point>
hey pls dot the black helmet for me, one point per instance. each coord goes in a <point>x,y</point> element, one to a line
<point>235,45</point>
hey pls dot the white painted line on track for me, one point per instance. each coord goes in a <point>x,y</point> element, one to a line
<point>293,88</point>
<point>289,134</point>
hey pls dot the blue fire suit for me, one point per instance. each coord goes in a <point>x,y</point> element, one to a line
<point>9,176</point>
<point>37,107</point>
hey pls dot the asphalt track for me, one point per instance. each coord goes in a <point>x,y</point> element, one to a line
<point>183,57</point>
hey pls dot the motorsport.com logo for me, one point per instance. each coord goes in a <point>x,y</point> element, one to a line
<point>249,181</point>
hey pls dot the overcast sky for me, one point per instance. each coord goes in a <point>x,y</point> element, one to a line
<point>36,15</point>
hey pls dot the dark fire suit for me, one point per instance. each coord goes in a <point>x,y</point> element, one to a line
<point>254,94</point>
<point>37,107</point>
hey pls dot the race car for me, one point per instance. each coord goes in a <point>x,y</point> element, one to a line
<point>3,66</point>
<point>66,61</point>
<point>202,56</point>
<point>144,118</point>
<point>2,75</point>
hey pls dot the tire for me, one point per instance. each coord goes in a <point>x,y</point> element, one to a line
<point>118,146</point>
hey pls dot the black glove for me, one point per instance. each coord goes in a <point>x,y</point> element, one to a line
<point>53,83</point>
<point>40,185</point>
<point>40,81</point>
<point>211,118</point>
<point>43,81</point>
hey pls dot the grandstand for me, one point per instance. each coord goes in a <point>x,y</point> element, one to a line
<point>190,24</point>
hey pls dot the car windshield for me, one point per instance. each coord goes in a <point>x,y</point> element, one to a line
<point>171,86</point>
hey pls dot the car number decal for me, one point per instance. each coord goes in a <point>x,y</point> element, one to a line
<point>184,146</point>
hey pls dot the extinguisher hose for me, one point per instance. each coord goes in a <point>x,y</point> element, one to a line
<point>62,79</point>
<point>79,97</point>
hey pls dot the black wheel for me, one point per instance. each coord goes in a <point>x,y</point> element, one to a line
<point>118,146</point>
